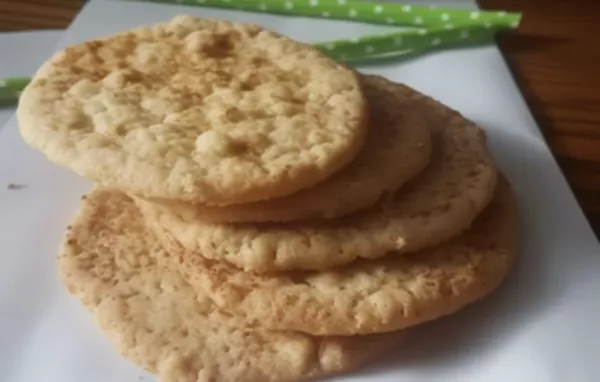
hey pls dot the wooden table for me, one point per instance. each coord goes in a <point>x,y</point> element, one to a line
<point>552,56</point>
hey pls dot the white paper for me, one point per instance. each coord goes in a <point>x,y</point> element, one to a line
<point>541,326</point>
<point>22,53</point>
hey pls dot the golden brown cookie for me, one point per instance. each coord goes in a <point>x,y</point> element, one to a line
<point>155,319</point>
<point>196,110</point>
<point>397,148</point>
<point>381,295</point>
<point>439,204</point>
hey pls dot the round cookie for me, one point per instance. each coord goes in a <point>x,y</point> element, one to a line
<point>197,110</point>
<point>154,318</point>
<point>439,204</point>
<point>398,147</point>
<point>386,294</point>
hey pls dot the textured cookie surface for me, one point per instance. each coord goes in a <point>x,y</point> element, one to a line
<point>153,317</point>
<point>379,295</point>
<point>196,110</point>
<point>439,204</point>
<point>398,146</point>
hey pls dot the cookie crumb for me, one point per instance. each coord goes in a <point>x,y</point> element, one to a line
<point>15,186</point>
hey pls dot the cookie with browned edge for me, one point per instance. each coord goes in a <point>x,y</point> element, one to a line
<point>373,296</point>
<point>114,266</point>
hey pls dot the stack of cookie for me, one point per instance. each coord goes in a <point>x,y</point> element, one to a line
<point>262,213</point>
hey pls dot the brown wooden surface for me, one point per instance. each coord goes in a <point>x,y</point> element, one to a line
<point>555,57</point>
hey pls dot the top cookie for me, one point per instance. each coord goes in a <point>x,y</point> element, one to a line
<point>196,110</point>
<point>397,148</point>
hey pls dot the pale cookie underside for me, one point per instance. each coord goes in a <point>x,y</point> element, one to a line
<point>387,294</point>
<point>196,110</point>
<point>398,147</point>
<point>439,204</point>
<point>154,318</point>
